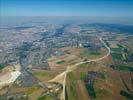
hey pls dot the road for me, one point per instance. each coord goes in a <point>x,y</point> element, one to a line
<point>61,78</point>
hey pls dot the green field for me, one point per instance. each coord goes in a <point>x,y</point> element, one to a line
<point>72,87</point>
<point>126,94</point>
<point>83,75</point>
<point>117,50</point>
<point>83,65</point>
<point>116,56</point>
<point>60,62</point>
<point>43,73</point>
<point>90,89</point>
<point>125,68</point>
<point>46,97</point>
<point>86,53</point>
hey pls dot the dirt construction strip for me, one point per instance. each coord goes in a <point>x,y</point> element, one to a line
<point>14,75</point>
<point>9,75</point>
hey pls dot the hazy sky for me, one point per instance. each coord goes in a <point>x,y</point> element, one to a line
<point>106,8</point>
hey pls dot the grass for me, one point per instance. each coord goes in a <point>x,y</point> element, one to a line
<point>71,76</point>
<point>73,93</point>
<point>32,89</point>
<point>130,69</point>
<point>60,62</point>
<point>46,97</point>
<point>83,75</point>
<point>120,46</point>
<point>124,68</point>
<point>86,53</point>
<point>102,92</point>
<point>118,50</point>
<point>43,73</point>
<point>72,86</point>
<point>116,56</point>
<point>117,53</point>
<point>90,89</point>
<point>126,94</point>
<point>102,75</point>
<point>83,65</point>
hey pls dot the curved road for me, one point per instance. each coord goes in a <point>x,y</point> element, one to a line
<point>61,78</point>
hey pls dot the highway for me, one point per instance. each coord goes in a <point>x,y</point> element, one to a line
<point>61,78</point>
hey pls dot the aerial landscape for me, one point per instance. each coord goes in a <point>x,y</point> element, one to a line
<point>66,50</point>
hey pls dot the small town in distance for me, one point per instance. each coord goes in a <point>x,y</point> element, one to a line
<point>66,57</point>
